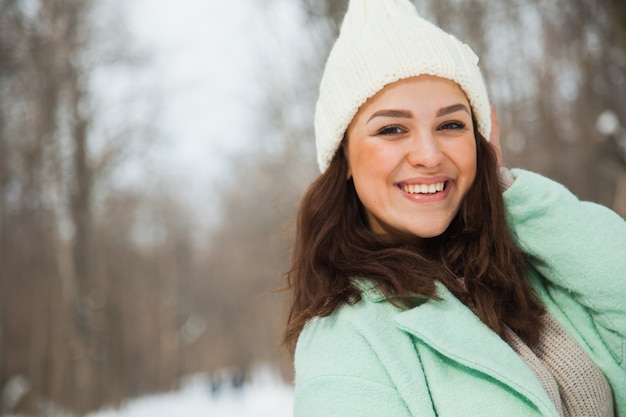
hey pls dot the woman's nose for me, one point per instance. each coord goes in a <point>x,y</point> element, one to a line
<point>424,151</point>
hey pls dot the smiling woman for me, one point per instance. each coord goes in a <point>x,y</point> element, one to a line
<point>427,278</point>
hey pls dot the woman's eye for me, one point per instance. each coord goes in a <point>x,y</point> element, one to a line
<point>391,130</point>
<point>453,125</point>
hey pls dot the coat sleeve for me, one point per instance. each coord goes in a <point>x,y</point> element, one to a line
<point>339,374</point>
<point>579,247</point>
<point>577,251</point>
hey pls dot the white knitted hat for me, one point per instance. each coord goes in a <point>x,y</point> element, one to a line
<point>383,41</point>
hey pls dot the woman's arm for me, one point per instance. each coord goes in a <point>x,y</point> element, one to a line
<point>577,246</point>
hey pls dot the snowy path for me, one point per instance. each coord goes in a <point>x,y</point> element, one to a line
<point>258,399</point>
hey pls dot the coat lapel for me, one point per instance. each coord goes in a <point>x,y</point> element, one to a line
<point>453,330</point>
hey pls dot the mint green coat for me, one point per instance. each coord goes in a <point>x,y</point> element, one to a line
<point>439,359</point>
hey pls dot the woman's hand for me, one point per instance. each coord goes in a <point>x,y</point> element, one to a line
<point>494,138</point>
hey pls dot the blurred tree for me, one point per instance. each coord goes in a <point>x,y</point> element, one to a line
<point>248,252</point>
<point>53,324</point>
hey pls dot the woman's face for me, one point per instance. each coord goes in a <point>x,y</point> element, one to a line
<point>411,152</point>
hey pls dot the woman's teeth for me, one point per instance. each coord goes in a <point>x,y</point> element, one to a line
<point>423,188</point>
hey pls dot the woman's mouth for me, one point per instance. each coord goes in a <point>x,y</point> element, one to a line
<point>423,188</point>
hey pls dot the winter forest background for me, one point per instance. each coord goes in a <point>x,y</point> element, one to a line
<point>121,277</point>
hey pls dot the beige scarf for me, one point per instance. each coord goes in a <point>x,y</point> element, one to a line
<point>572,380</point>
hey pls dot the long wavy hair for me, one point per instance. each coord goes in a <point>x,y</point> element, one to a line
<point>475,258</point>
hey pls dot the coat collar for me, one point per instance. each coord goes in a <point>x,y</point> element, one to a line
<point>451,328</point>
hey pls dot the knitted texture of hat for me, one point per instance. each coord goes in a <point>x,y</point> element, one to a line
<point>380,42</point>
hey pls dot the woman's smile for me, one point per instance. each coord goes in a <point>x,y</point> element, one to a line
<point>425,190</point>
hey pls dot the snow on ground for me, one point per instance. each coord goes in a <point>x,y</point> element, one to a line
<point>262,397</point>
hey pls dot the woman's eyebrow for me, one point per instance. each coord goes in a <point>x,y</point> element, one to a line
<point>404,114</point>
<point>451,109</point>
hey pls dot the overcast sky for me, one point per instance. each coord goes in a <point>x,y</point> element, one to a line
<point>208,62</point>
<point>204,58</point>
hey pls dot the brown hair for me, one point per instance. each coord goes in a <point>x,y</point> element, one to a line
<point>334,245</point>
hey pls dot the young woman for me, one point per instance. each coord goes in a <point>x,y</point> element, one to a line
<point>427,279</point>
